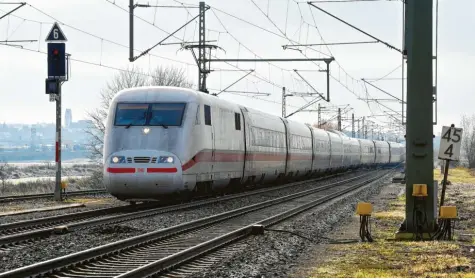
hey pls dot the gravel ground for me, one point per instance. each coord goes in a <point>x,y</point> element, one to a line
<point>77,241</point>
<point>275,254</point>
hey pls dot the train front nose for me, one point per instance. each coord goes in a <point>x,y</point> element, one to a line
<point>142,174</point>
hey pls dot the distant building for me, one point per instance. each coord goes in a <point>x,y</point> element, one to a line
<point>68,118</point>
<point>82,124</point>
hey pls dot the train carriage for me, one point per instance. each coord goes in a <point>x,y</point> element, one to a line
<point>368,155</point>
<point>300,149</point>
<point>321,151</point>
<point>382,152</point>
<point>167,140</point>
<point>266,144</point>
<point>355,152</point>
<point>336,151</point>
<point>397,151</point>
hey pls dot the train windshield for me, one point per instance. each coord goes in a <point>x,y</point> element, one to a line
<point>162,114</point>
<point>131,114</point>
<point>166,114</point>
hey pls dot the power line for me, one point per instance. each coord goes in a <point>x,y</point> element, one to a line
<point>91,63</point>
<point>111,67</point>
<point>255,75</point>
<point>92,35</point>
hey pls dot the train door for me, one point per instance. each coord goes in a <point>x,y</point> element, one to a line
<point>213,142</point>
<point>248,162</point>
<point>209,141</point>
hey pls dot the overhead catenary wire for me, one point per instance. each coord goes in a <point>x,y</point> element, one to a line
<point>254,75</point>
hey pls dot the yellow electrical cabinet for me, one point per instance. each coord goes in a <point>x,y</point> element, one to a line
<point>364,208</point>
<point>448,212</point>
<point>419,190</point>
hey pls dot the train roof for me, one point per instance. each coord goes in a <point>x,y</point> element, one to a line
<point>155,93</point>
<point>172,93</point>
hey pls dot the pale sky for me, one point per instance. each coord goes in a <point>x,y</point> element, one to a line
<point>91,26</point>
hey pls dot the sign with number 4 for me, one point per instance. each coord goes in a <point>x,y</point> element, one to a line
<point>450,143</point>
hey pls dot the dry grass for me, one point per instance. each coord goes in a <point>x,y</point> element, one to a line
<point>389,258</point>
<point>47,186</point>
<point>457,175</point>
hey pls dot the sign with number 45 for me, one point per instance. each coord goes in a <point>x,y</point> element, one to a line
<point>450,143</point>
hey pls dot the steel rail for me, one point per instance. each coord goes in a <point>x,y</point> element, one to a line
<point>44,227</point>
<point>50,195</point>
<point>71,260</point>
<point>191,253</point>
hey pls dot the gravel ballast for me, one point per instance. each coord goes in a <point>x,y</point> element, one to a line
<point>275,254</point>
<point>92,237</point>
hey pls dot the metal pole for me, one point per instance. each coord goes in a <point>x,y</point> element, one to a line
<point>131,30</point>
<point>358,128</point>
<point>353,125</point>
<point>202,50</point>
<point>57,189</point>
<point>444,183</point>
<point>319,112</point>
<point>328,81</point>
<point>339,119</point>
<point>362,127</point>
<point>419,134</point>
<point>283,102</point>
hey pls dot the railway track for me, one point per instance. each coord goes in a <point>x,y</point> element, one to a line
<point>19,234</point>
<point>152,253</point>
<point>22,233</point>
<point>51,195</point>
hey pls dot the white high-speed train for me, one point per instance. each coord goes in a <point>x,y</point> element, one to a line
<point>168,140</point>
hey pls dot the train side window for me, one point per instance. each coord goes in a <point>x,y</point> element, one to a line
<point>207,115</point>
<point>237,121</point>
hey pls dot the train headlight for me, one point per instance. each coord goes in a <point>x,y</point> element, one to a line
<point>146,130</point>
<point>118,159</point>
<point>166,159</point>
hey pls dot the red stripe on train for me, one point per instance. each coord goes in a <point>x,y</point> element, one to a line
<point>121,170</point>
<point>161,170</point>
<point>222,157</point>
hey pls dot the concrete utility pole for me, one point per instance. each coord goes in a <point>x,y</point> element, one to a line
<point>419,130</point>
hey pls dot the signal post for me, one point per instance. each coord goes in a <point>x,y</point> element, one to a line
<point>57,74</point>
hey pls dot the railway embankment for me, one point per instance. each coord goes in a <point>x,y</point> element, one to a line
<point>388,258</point>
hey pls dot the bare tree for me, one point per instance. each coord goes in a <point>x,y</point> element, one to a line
<point>134,77</point>
<point>170,76</point>
<point>325,126</point>
<point>4,174</point>
<point>468,138</point>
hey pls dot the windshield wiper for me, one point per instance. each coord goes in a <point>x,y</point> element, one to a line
<point>132,122</point>
<point>164,126</point>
